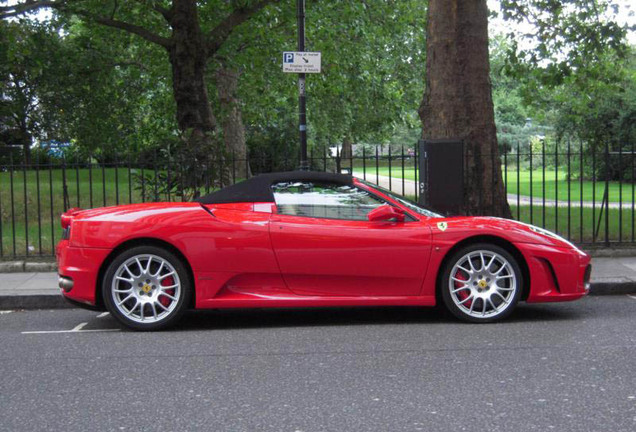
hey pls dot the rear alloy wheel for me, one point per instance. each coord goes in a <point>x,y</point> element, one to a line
<point>146,288</point>
<point>481,283</point>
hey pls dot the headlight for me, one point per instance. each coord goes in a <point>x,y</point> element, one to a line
<point>545,232</point>
<point>550,234</point>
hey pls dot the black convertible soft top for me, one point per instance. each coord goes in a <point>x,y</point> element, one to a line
<point>259,188</point>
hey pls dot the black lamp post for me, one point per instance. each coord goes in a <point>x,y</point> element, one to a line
<point>302,107</point>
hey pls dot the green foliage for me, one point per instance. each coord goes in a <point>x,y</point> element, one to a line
<point>371,80</point>
<point>573,73</point>
<point>72,82</point>
<point>566,38</point>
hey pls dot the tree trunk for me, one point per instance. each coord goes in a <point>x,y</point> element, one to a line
<point>188,58</point>
<point>345,153</point>
<point>457,101</point>
<point>232,121</point>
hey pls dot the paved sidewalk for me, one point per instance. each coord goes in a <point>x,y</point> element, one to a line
<point>39,290</point>
<point>30,291</point>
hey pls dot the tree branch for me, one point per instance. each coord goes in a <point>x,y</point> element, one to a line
<point>130,28</point>
<point>27,6</point>
<point>167,13</point>
<point>30,5</point>
<point>221,32</point>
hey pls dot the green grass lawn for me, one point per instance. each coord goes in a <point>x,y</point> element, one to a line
<point>556,184</point>
<point>581,225</point>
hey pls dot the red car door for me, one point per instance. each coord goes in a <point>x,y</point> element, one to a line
<point>326,246</point>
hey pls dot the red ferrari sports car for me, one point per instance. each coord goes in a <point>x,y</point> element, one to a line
<point>301,239</point>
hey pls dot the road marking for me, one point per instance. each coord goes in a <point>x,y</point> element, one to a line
<point>102,315</point>
<point>70,331</point>
<point>5,312</point>
<point>633,297</point>
<point>79,327</point>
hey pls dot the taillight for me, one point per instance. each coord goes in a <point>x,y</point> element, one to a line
<point>67,217</point>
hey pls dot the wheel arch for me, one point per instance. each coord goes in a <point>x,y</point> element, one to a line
<point>141,241</point>
<point>498,241</point>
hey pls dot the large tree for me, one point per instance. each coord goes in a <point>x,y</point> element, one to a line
<point>568,36</point>
<point>177,28</point>
<point>457,101</point>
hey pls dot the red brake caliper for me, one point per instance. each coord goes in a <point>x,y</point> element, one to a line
<point>165,301</point>
<point>461,295</point>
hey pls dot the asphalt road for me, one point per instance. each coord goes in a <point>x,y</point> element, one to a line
<point>562,367</point>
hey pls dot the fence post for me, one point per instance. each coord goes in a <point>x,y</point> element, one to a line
<point>116,179</point>
<point>620,194</point>
<point>37,188</point>
<point>67,203</point>
<point>594,232</point>
<point>581,173</point>
<point>519,183</point>
<point>402,162</point>
<point>364,162</point>
<point>51,201</point>
<point>505,176</point>
<point>556,187</point>
<point>531,183</point>
<point>390,173</point>
<point>103,182</point>
<point>607,174</point>
<point>569,191</point>
<point>26,207</point>
<point>377,166</point>
<point>154,162</point>
<point>543,182</point>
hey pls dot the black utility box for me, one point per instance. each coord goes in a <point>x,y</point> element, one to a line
<point>441,166</point>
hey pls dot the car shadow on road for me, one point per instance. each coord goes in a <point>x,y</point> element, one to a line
<point>308,317</point>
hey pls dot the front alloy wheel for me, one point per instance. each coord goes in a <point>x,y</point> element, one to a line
<point>146,288</point>
<point>481,283</point>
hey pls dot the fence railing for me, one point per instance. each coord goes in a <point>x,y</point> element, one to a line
<point>586,195</point>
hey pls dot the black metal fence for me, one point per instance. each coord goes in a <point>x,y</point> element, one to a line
<point>586,195</point>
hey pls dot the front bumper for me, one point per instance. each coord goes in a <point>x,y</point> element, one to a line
<point>556,273</point>
<point>82,266</point>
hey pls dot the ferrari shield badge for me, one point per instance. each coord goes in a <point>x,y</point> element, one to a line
<point>442,226</point>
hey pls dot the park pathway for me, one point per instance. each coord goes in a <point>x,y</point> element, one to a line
<point>407,187</point>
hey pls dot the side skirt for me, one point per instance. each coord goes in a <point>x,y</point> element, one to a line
<point>287,302</point>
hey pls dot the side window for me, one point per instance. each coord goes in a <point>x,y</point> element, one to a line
<point>324,200</point>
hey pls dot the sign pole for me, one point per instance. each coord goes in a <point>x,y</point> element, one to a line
<point>302,107</point>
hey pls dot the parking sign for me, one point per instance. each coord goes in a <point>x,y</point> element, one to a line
<point>301,62</point>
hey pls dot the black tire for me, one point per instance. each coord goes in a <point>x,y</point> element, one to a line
<point>470,295</point>
<point>175,309</point>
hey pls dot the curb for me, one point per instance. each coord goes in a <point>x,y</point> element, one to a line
<point>37,301</point>
<point>27,267</point>
<point>608,287</point>
<point>56,301</point>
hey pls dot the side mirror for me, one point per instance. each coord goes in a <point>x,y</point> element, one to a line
<point>386,213</point>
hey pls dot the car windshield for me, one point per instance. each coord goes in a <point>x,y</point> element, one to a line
<point>404,201</point>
